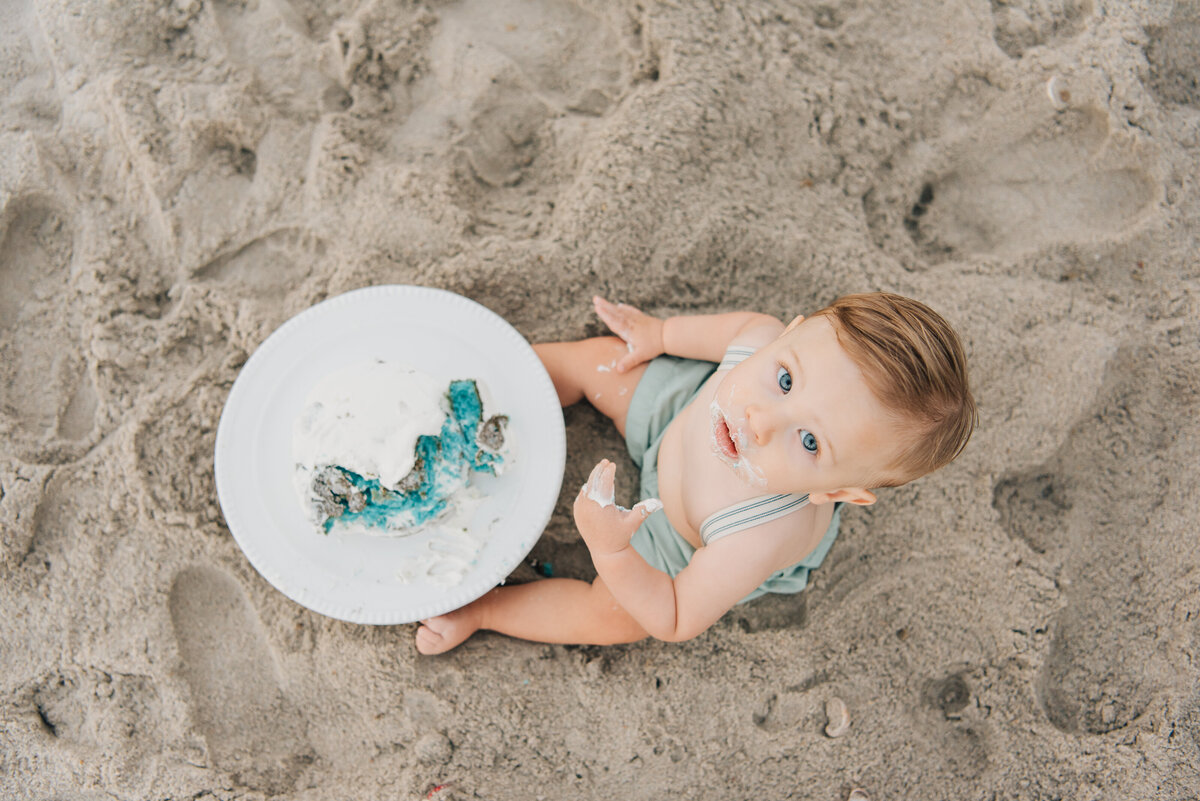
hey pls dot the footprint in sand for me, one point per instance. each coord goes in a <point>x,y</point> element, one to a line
<point>1045,188</point>
<point>278,43</point>
<point>212,156</point>
<point>47,396</point>
<point>116,711</point>
<point>267,267</point>
<point>1022,24</point>
<point>514,87</point>
<point>35,253</point>
<point>1031,506</point>
<point>194,150</point>
<point>27,94</point>
<point>1100,670</point>
<point>268,277</point>
<point>252,730</point>
<point>1015,176</point>
<point>519,64</point>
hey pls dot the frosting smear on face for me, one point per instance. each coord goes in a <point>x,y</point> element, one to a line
<point>384,449</point>
<point>729,444</point>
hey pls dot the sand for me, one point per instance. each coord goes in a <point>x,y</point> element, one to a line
<point>177,179</point>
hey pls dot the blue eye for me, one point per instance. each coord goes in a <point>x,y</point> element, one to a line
<point>785,379</point>
<point>808,440</point>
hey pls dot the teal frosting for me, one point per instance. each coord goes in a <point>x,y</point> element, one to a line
<point>442,468</point>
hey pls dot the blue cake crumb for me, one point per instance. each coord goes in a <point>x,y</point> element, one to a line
<point>467,442</point>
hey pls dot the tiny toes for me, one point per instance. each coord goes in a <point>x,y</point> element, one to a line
<point>427,640</point>
<point>443,632</point>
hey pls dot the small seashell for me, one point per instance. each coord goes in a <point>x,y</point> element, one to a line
<point>839,717</point>
<point>1059,94</point>
<point>858,794</point>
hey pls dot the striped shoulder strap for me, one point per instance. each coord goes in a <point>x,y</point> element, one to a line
<point>747,514</point>
<point>734,355</point>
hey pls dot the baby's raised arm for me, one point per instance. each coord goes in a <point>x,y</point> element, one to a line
<point>701,336</point>
<point>683,607</point>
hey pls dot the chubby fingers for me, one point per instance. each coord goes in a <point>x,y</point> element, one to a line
<point>601,483</point>
<point>604,306</point>
<point>615,316</point>
<point>600,487</point>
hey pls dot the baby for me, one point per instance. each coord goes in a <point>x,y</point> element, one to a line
<point>751,435</point>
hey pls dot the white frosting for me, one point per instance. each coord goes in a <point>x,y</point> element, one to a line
<point>367,418</point>
<point>597,494</point>
<point>742,466</point>
<point>650,506</point>
<point>444,560</point>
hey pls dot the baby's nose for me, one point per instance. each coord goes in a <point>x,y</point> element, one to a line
<point>759,423</point>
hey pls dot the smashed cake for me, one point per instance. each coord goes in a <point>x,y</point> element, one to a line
<point>386,449</point>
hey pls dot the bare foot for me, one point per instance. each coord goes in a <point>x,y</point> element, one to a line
<point>439,634</point>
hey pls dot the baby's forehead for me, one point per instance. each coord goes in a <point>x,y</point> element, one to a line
<point>813,336</point>
<point>807,325</point>
<point>850,389</point>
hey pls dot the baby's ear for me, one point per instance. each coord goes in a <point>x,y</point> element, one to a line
<point>856,495</point>
<point>799,319</point>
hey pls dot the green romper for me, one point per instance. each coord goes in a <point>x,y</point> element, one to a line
<point>666,387</point>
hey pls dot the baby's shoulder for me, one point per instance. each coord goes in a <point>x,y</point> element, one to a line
<point>787,525</point>
<point>765,330</point>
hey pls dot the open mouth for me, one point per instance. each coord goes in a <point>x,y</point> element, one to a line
<point>725,444</point>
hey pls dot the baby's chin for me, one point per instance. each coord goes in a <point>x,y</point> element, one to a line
<point>751,474</point>
<point>743,469</point>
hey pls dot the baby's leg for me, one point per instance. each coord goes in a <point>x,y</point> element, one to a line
<point>587,369</point>
<point>550,610</point>
<point>556,610</point>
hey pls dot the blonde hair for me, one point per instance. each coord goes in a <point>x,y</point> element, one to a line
<point>915,365</point>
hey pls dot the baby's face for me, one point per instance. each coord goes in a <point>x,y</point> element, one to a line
<point>797,416</point>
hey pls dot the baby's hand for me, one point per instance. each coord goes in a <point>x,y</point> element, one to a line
<point>606,527</point>
<point>642,333</point>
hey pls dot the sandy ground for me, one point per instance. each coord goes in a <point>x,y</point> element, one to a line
<point>177,179</point>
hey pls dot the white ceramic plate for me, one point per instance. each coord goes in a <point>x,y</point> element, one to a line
<point>355,577</point>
